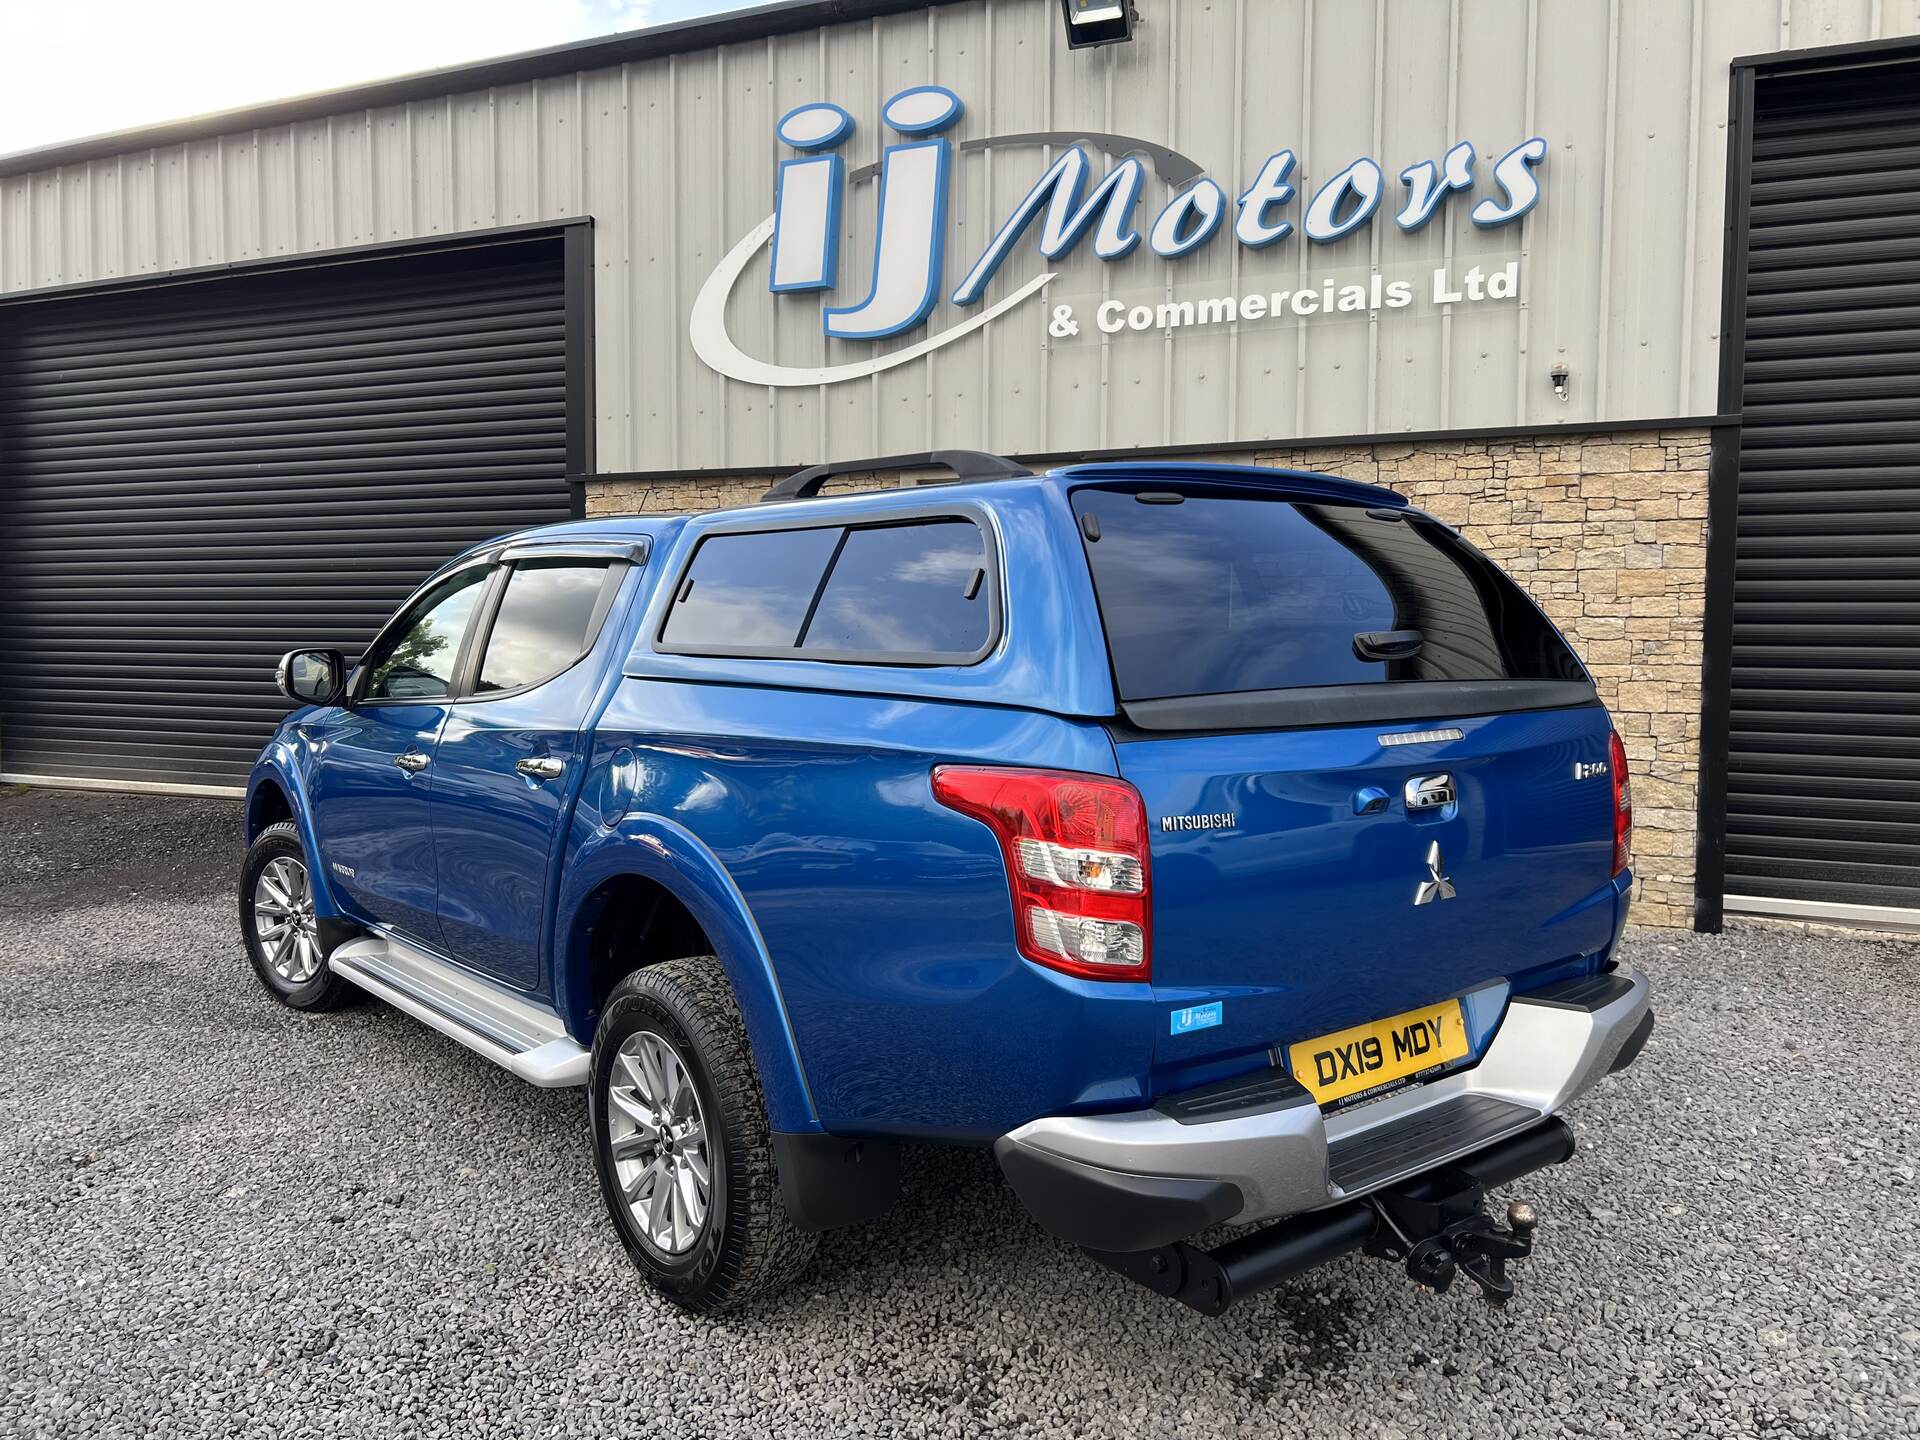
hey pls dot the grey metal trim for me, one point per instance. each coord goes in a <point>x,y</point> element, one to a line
<point>1866,917</point>
<point>656,41</point>
<point>517,1033</point>
<point>1829,57</point>
<point>1543,1058</point>
<point>491,235</point>
<point>126,787</point>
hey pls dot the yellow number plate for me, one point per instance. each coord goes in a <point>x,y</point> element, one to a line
<point>1381,1052</point>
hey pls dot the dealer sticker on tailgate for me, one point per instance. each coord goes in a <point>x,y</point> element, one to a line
<point>1381,1054</point>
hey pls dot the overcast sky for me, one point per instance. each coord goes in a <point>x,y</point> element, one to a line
<point>81,67</point>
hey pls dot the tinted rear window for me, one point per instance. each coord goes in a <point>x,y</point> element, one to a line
<point>750,591</point>
<point>911,593</point>
<point>1218,594</point>
<point>905,590</point>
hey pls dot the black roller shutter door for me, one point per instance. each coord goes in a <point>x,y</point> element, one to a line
<point>202,476</point>
<point>1823,776</point>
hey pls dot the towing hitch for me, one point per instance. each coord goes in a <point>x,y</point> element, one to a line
<point>1433,1224</point>
<point>1455,1237</point>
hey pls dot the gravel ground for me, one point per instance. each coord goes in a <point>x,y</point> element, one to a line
<point>224,1218</point>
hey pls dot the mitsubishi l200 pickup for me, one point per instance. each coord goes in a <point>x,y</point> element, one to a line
<point>1222,846</point>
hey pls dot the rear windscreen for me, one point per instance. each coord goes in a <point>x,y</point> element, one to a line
<point>1208,594</point>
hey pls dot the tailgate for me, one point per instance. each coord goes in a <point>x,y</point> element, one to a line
<point>1310,898</point>
<point>1376,778</point>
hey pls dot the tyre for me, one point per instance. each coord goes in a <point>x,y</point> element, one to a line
<point>682,1144</point>
<point>284,940</point>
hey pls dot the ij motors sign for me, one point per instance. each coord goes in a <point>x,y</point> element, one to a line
<point>1069,206</point>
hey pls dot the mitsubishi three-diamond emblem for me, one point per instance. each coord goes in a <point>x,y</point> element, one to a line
<point>1436,886</point>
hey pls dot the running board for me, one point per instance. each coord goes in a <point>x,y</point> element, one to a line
<point>525,1037</point>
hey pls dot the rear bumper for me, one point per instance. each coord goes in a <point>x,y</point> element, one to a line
<point>1260,1149</point>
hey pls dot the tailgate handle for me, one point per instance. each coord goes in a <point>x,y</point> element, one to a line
<point>1388,644</point>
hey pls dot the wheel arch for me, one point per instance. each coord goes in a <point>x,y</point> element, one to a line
<point>267,804</point>
<point>276,792</point>
<point>641,894</point>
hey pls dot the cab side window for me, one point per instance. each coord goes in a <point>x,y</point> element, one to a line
<point>545,622</point>
<point>417,658</point>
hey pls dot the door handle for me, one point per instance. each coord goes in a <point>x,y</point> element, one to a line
<point>413,762</point>
<point>542,767</point>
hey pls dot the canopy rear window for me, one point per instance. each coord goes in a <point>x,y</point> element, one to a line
<point>1210,594</point>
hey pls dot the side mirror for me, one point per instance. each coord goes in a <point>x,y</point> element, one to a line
<point>312,677</point>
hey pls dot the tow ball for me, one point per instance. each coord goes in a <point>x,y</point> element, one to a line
<point>1440,1240</point>
<point>1433,1224</point>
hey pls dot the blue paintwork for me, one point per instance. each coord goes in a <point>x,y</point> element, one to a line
<point>496,832</point>
<point>1302,913</point>
<point>371,818</point>
<point>866,929</point>
<point>885,914</point>
<point>282,767</point>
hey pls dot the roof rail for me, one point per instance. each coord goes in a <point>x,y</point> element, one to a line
<point>965,464</point>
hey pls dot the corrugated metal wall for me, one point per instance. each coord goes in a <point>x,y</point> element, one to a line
<point>674,158</point>
<point>1823,765</point>
<point>197,478</point>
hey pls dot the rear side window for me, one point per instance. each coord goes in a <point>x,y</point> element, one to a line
<point>749,592</point>
<point>911,593</point>
<point>905,590</point>
<point>1217,594</point>
<point>544,624</point>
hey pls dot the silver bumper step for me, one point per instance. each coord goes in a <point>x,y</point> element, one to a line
<point>1401,1147</point>
<point>1285,1157</point>
<point>510,1030</point>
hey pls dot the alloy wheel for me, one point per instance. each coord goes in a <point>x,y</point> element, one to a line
<point>283,920</point>
<point>658,1135</point>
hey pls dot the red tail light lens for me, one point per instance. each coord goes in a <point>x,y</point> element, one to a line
<point>1622,804</point>
<point>1076,853</point>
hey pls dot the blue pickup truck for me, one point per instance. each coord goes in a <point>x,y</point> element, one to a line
<point>1222,846</point>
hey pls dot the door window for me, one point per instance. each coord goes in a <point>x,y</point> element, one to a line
<point>545,622</point>
<point>416,659</point>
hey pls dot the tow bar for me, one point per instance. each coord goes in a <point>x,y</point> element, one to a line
<point>1455,1238</point>
<point>1432,1223</point>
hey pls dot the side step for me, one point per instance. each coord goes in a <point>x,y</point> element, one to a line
<point>522,1035</point>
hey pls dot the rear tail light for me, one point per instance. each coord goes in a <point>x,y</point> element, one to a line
<point>1622,804</point>
<point>1076,853</point>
